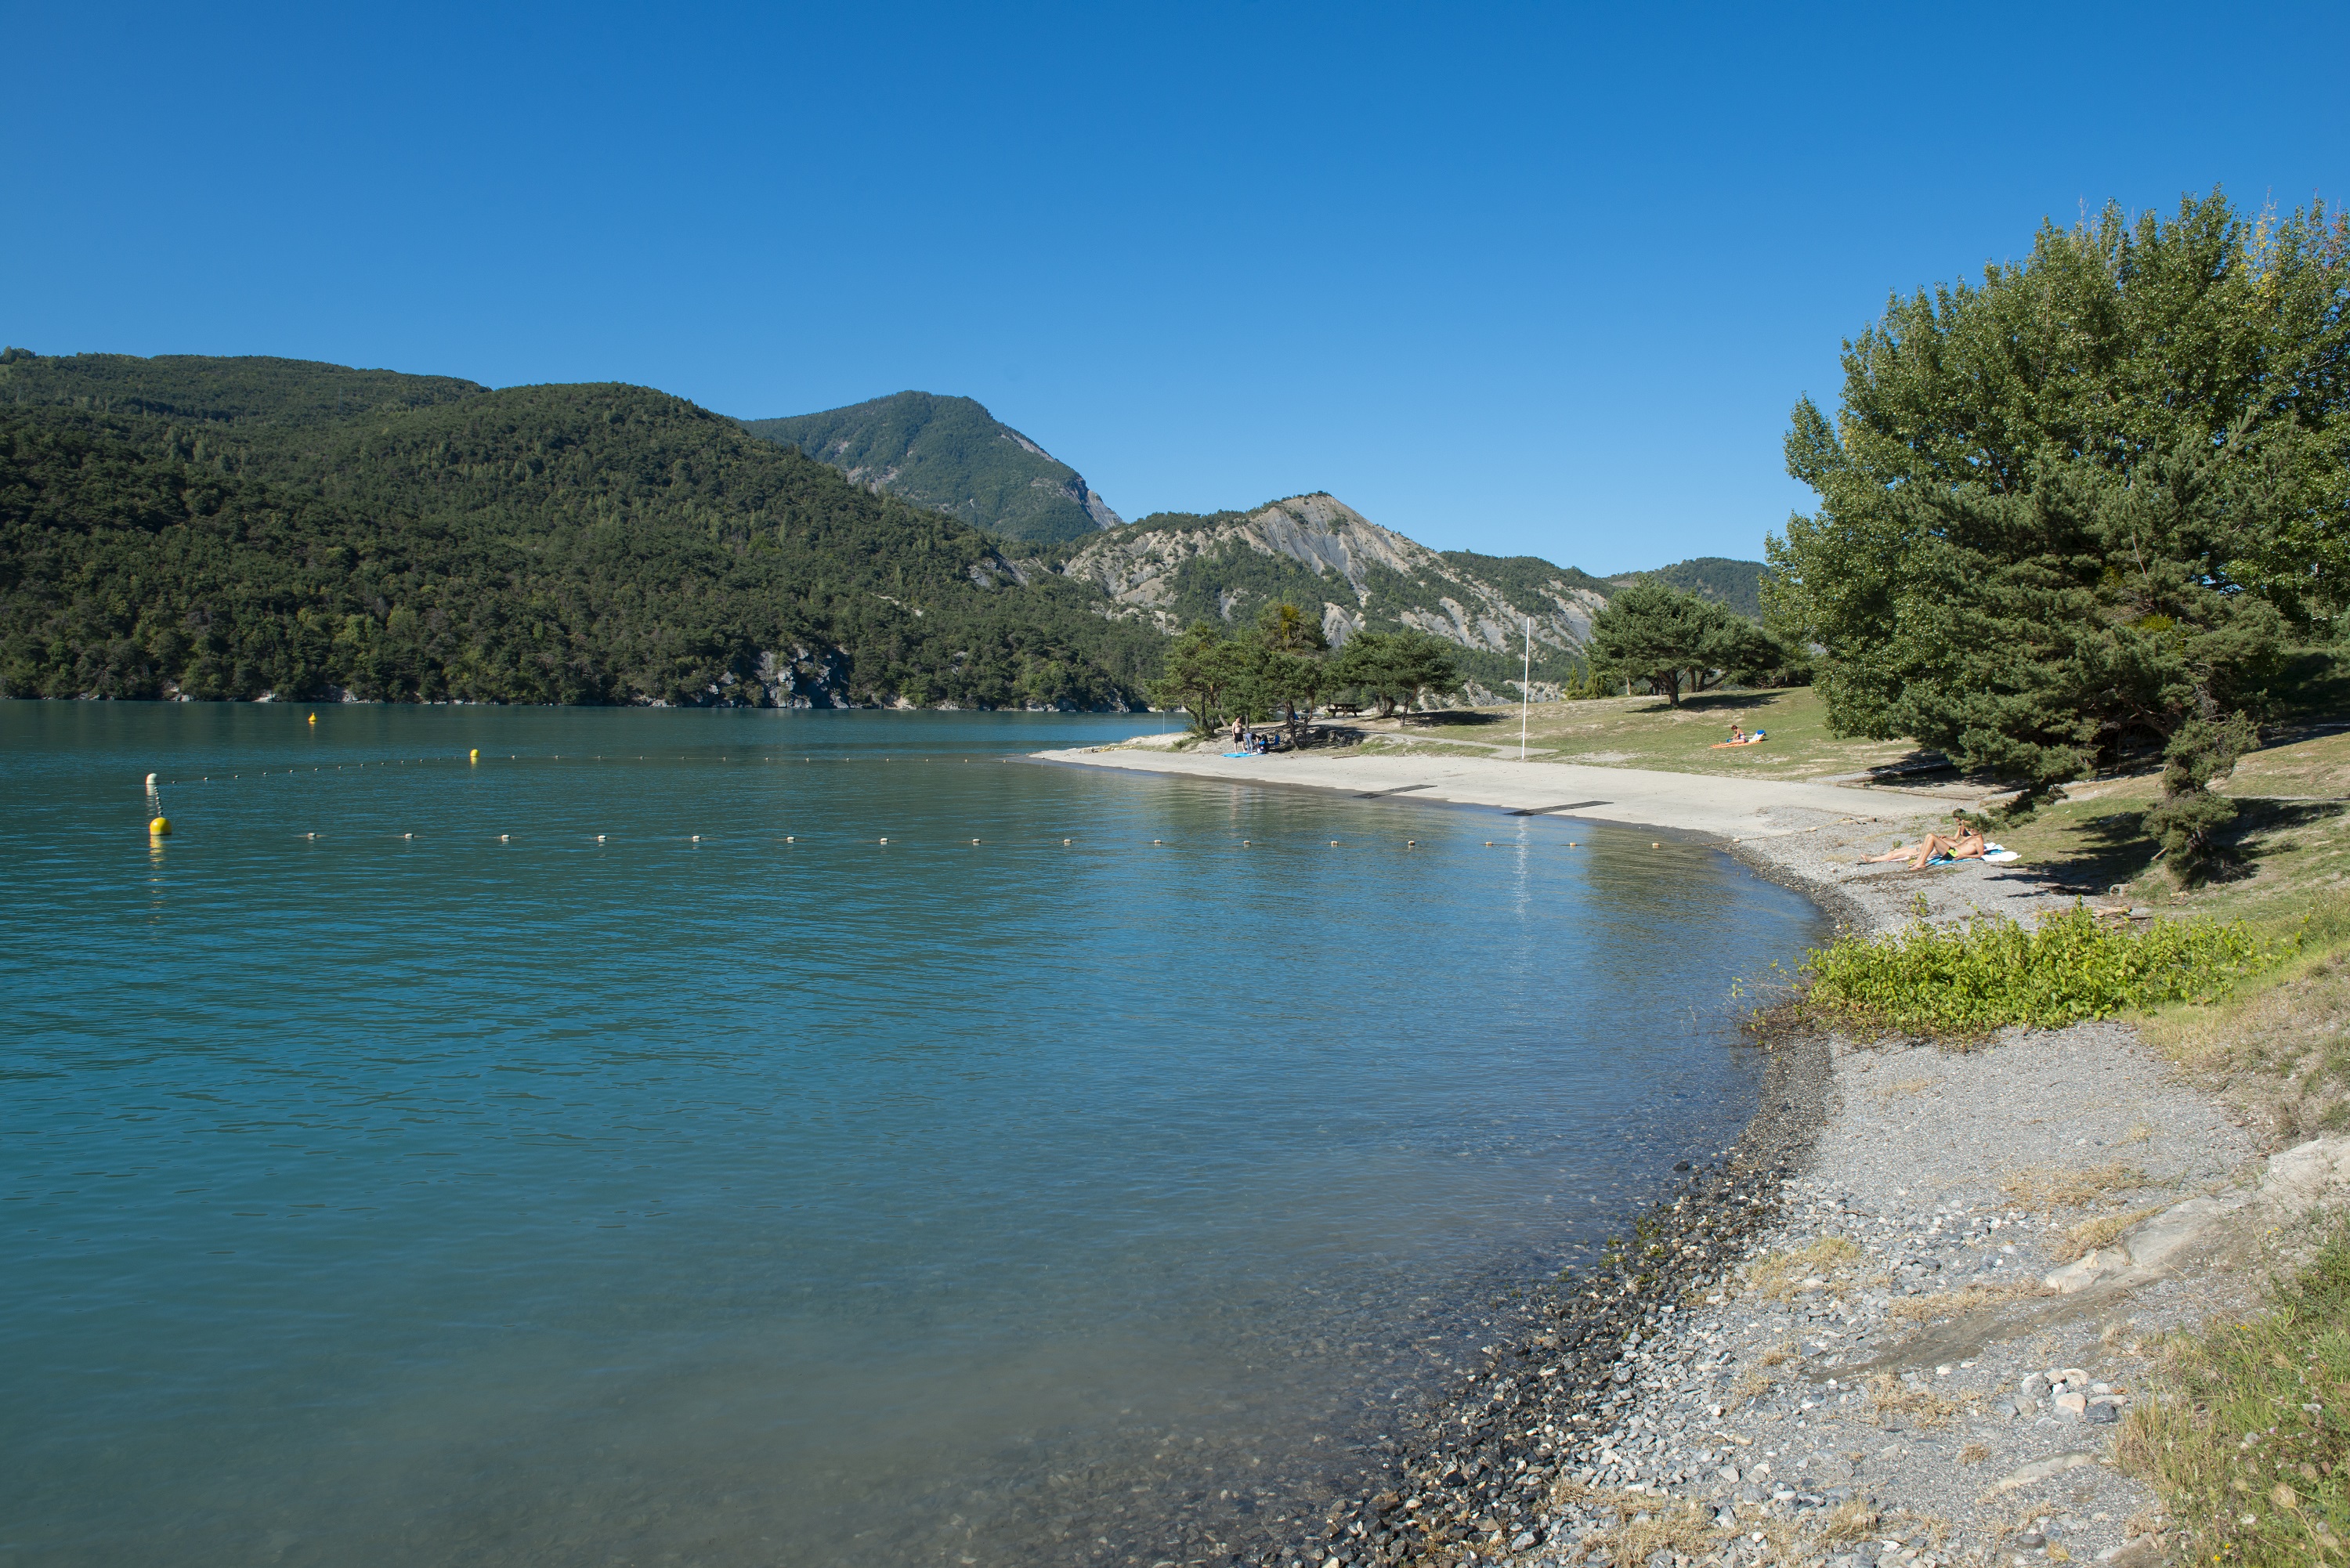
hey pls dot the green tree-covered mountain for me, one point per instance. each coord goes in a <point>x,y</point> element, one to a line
<point>952,455</point>
<point>198,389</point>
<point>230,528</point>
<point>1735,585</point>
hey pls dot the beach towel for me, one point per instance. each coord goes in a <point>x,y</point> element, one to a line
<point>1243,753</point>
<point>1721,745</point>
<point>1992,852</point>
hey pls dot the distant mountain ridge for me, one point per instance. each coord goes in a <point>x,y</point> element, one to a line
<point>1736,586</point>
<point>952,455</point>
<point>226,528</point>
<point>1173,568</point>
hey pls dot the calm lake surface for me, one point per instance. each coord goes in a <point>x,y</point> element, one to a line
<point>380,1200</point>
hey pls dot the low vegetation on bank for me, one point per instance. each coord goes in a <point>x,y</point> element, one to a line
<point>2247,1448</point>
<point>1962,983</point>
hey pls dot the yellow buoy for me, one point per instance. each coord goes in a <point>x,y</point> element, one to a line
<point>314,717</point>
<point>474,755</point>
<point>160,827</point>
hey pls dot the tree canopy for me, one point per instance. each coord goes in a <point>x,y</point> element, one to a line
<point>214,529</point>
<point>1669,637</point>
<point>2074,513</point>
<point>1283,665</point>
<point>1397,669</point>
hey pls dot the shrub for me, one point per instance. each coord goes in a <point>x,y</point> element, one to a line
<point>1968,979</point>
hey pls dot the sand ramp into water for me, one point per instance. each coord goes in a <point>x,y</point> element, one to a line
<point>1694,803</point>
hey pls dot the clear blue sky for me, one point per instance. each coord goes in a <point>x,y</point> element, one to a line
<point>1542,279</point>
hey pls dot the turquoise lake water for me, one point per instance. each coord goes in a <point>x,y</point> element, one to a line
<point>373,1199</point>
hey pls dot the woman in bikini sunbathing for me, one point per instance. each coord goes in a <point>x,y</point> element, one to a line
<point>1965,844</point>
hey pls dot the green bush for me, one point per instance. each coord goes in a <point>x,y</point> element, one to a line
<point>1972,979</point>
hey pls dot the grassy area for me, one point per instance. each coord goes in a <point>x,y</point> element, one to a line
<point>2250,1444</point>
<point>2289,845</point>
<point>1647,733</point>
<point>2280,1042</point>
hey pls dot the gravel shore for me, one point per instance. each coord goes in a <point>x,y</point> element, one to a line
<point>1876,1374</point>
<point>1836,1345</point>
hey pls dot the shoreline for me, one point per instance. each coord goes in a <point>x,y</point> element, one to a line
<point>1626,1412</point>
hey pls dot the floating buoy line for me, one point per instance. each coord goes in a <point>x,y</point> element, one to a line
<point>160,824</point>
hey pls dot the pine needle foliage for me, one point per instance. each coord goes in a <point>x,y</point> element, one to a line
<point>2073,513</point>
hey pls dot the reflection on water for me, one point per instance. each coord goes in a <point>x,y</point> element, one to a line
<point>450,1184</point>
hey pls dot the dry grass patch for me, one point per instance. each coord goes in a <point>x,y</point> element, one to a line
<point>1649,1525</point>
<point>2054,1187</point>
<point>1974,1453</point>
<point>1958,1302</point>
<point>2107,1228</point>
<point>1889,1396</point>
<point>1852,1523</point>
<point>2282,1047</point>
<point>1778,1277</point>
<point>1907,1087</point>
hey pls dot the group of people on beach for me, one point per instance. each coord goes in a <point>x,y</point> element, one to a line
<point>1244,739</point>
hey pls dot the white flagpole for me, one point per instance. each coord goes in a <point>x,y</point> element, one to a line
<point>1526,710</point>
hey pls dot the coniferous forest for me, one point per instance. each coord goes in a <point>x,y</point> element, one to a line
<point>231,528</point>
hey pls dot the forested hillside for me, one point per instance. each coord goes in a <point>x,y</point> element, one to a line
<point>952,455</point>
<point>232,528</point>
<point>1735,585</point>
<point>202,388</point>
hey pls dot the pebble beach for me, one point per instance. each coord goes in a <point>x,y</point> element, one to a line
<point>1838,1343</point>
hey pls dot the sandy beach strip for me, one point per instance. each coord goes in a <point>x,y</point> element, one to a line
<point>1733,808</point>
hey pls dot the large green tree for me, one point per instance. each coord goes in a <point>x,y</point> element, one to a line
<point>1667,637</point>
<point>1397,668</point>
<point>2071,515</point>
